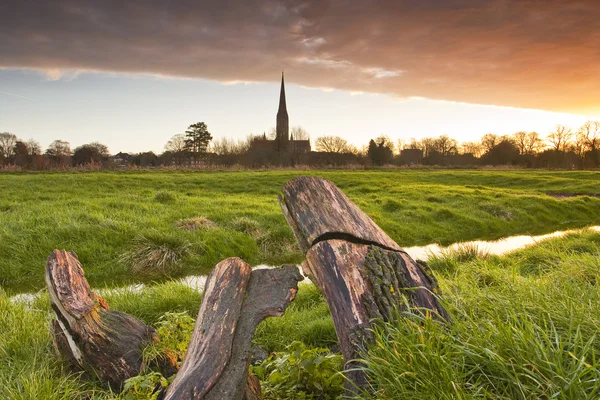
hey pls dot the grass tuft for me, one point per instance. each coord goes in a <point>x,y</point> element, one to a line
<point>155,254</point>
<point>164,197</point>
<point>195,223</point>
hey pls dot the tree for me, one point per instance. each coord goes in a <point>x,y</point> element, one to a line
<point>473,148</point>
<point>381,150</point>
<point>333,144</point>
<point>505,152</point>
<point>177,147</point>
<point>488,141</point>
<point>560,138</point>
<point>520,138</point>
<point>7,144</point>
<point>34,148</point>
<point>90,153</point>
<point>59,152</point>
<point>533,143</point>
<point>445,145</point>
<point>299,133</point>
<point>197,139</point>
<point>589,135</point>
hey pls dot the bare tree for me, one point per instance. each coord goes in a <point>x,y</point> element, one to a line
<point>489,141</point>
<point>224,146</point>
<point>589,136</point>
<point>333,144</point>
<point>560,138</point>
<point>33,147</point>
<point>533,143</point>
<point>299,133</point>
<point>474,148</point>
<point>445,145</point>
<point>520,139</point>
<point>8,142</point>
<point>59,152</point>
<point>59,148</point>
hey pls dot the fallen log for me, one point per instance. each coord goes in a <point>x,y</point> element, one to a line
<point>105,343</point>
<point>236,299</point>
<point>363,274</point>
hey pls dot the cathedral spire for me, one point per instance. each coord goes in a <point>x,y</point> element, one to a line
<point>282,105</point>
<point>283,130</point>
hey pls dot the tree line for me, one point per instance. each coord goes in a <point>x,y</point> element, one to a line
<point>561,148</point>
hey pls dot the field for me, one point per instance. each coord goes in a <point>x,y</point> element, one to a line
<point>104,216</point>
<point>524,324</point>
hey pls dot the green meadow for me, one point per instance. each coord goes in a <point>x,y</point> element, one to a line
<point>112,219</point>
<point>524,325</point>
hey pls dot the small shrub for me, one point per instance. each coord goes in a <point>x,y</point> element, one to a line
<point>174,332</point>
<point>155,254</point>
<point>301,373</point>
<point>195,223</point>
<point>164,197</point>
<point>144,387</point>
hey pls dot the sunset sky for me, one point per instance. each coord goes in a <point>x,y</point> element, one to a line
<point>132,74</point>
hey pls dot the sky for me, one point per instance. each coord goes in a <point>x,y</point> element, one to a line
<point>132,74</point>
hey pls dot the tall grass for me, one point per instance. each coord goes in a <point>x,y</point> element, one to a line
<point>99,215</point>
<point>515,334</point>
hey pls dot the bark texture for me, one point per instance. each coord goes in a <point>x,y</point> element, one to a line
<point>236,299</point>
<point>89,336</point>
<point>362,272</point>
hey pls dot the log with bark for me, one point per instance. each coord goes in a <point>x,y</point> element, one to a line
<point>363,273</point>
<point>105,343</point>
<point>236,299</point>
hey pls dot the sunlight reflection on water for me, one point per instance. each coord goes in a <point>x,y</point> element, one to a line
<point>496,247</point>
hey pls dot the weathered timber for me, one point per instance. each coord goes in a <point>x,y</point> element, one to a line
<point>318,210</point>
<point>105,343</point>
<point>236,299</point>
<point>363,274</point>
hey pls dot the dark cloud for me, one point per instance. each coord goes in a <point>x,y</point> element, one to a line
<point>523,53</point>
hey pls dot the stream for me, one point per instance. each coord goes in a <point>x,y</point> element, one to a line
<point>494,247</point>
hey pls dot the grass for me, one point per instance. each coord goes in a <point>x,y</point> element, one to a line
<point>524,327</point>
<point>103,215</point>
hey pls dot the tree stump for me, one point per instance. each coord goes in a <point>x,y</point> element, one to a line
<point>361,271</point>
<point>236,299</point>
<point>105,343</point>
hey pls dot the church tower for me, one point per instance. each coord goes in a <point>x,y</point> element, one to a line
<point>283,124</point>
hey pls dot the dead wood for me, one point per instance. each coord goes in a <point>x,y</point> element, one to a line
<point>363,274</point>
<point>236,299</point>
<point>105,343</point>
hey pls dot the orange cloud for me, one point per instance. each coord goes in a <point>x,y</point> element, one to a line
<point>520,53</point>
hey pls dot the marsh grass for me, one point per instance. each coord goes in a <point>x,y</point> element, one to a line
<point>154,254</point>
<point>99,214</point>
<point>195,223</point>
<point>516,334</point>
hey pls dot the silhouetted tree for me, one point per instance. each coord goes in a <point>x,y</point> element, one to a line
<point>504,153</point>
<point>299,133</point>
<point>560,138</point>
<point>90,153</point>
<point>488,141</point>
<point>334,144</point>
<point>474,148</point>
<point>197,139</point>
<point>177,149</point>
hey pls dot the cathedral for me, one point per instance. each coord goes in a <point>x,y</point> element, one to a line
<point>282,143</point>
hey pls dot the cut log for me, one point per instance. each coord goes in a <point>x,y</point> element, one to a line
<point>236,299</point>
<point>105,343</point>
<point>362,273</point>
